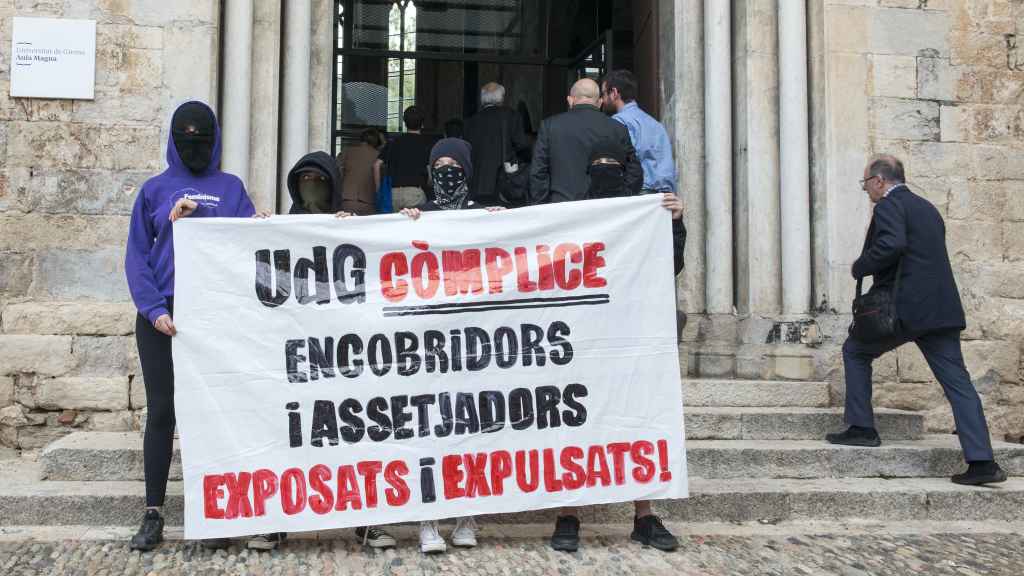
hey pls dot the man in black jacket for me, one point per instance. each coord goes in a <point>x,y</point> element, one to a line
<point>496,135</point>
<point>562,153</point>
<point>907,238</point>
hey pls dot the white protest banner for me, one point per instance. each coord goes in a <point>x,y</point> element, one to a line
<point>335,373</point>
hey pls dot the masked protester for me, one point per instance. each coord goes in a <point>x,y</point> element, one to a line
<point>451,169</point>
<point>191,186</point>
<point>313,183</point>
<point>607,171</point>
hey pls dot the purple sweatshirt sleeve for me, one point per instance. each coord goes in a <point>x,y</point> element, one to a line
<point>245,208</point>
<point>141,280</point>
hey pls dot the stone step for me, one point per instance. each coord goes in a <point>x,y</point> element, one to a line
<point>931,456</point>
<point>25,500</point>
<point>751,423</point>
<point>87,456</point>
<point>755,393</point>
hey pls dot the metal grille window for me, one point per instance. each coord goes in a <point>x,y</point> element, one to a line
<point>401,71</point>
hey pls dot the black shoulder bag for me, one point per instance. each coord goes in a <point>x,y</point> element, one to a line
<point>513,189</point>
<point>874,313</point>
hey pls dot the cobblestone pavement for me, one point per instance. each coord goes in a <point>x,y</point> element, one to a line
<point>605,550</point>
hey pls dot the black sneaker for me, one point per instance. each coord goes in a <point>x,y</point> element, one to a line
<point>375,537</point>
<point>856,436</point>
<point>266,541</point>
<point>978,473</point>
<point>567,534</point>
<point>215,543</point>
<point>150,534</point>
<point>649,531</point>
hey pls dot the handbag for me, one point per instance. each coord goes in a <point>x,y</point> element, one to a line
<point>513,188</point>
<point>874,313</point>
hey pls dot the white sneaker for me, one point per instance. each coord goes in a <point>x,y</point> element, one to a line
<point>464,534</point>
<point>430,538</point>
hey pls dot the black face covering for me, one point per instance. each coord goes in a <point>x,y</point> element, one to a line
<point>450,188</point>
<point>194,131</point>
<point>607,181</point>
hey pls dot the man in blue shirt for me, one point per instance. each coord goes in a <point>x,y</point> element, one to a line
<point>653,148</point>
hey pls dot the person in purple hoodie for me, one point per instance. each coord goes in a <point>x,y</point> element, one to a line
<point>191,186</point>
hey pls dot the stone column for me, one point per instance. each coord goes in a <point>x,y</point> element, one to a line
<point>795,157</point>
<point>266,82</point>
<point>295,92</point>
<point>718,150</point>
<point>758,274</point>
<point>235,116</point>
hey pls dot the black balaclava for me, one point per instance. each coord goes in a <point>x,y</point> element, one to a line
<point>315,193</point>
<point>450,188</point>
<point>607,181</point>
<point>194,130</point>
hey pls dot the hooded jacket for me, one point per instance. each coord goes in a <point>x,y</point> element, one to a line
<point>149,259</point>
<point>322,162</point>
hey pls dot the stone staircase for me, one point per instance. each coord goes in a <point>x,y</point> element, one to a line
<point>754,448</point>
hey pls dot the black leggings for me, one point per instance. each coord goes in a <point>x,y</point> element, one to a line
<point>158,372</point>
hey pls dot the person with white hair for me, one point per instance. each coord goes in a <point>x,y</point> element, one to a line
<point>500,149</point>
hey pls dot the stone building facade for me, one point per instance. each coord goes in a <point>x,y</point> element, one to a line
<point>939,83</point>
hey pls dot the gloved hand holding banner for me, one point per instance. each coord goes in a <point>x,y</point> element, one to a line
<point>335,373</point>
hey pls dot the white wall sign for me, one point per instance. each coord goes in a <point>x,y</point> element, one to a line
<point>53,58</point>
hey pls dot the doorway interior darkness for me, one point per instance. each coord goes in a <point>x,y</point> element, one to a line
<point>390,54</point>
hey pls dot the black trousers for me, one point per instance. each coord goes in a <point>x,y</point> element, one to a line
<point>158,372</point>
<point>941,350</point>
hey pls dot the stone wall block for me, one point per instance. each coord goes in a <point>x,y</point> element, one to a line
<point>894,76</point>
<point>908,396</point>
<point>49,355</point>
<point>83,393</point>
<point>978,201</point>
<point>45,231</point>
<point>937,79</point>
<point>912,365</point>
<point>86,274</point>
<point>79,192</point>
<point>6,391</point>
<point>998,124</point>
<point>970,242</point>
<point>1013,236</point>
<point>103,355</point>
<point>137,392</point>
<point>901,119</point>
<point>1000,360</point>
<point>907,32</point>
<point>85,146</point>
<point>978,48</point>
<point>120,421</point>
<point>15,273</point>
<point>91,318</point>
<point>954,124</point>
<point>993,162</point>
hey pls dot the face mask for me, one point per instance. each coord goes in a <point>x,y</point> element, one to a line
<point>194,131</point>
<point>449,186</point>
<point>315,195</point>
<point>606,181</point>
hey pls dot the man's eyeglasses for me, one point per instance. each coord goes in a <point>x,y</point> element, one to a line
<point>864,181</point>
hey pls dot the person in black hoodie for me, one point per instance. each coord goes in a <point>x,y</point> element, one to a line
<point>314,183</point>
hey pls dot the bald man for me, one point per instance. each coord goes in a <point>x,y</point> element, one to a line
<point>562,153</point>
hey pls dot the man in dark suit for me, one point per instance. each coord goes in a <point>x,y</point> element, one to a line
<point>907,230</point>
<point>496,135</point>
<point>561,156</point>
